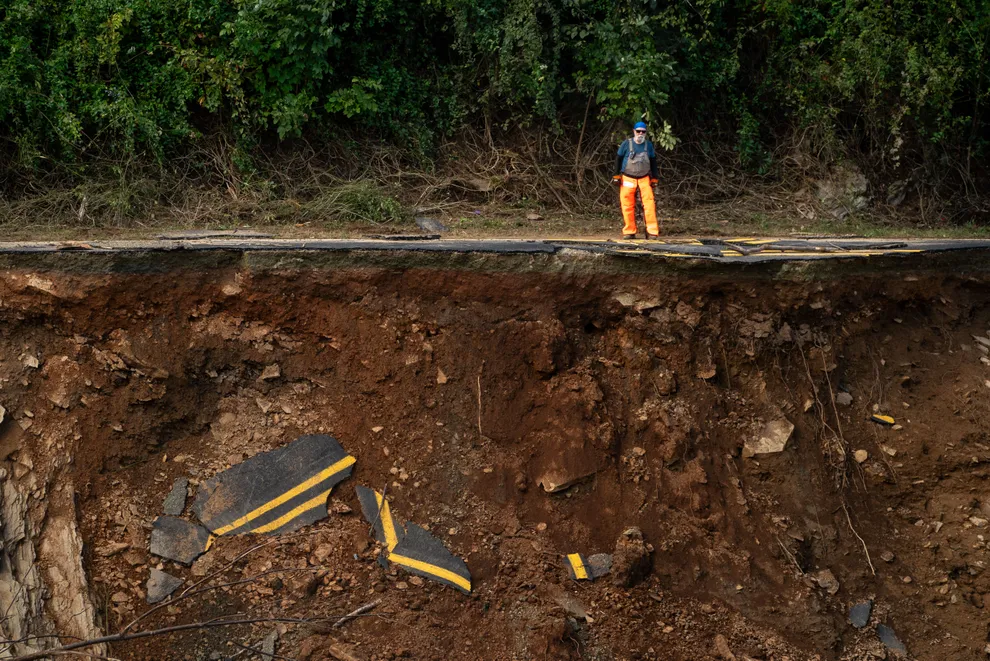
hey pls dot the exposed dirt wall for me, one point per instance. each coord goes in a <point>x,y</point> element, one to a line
<point>469,390</point>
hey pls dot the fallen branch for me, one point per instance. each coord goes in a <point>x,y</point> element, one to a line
<point>356,613</point>
<point>124,637</point>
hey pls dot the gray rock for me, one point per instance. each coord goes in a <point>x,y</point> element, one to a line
<point>175,501</point>
<point>844,398</point>
<point>890,639</point>
<point>826,580</point>
<point>431,225</point>
<point>771,440</point>
<point>268,645</point>
<point>160,585</point>
<point>859,614</point>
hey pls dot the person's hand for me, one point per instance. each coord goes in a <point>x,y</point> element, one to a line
<point>617,179</point>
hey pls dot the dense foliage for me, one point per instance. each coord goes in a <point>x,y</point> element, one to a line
<point>889,79</point>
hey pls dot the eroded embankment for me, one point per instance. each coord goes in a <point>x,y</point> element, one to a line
<point>465,389</point>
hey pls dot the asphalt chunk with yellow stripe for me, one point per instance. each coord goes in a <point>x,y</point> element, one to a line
<point>884,420</point>
<point>274,492</point>
<point>376,510</point>
<point>589,568</point>
<point>410,546</point>
<point>420,553</point>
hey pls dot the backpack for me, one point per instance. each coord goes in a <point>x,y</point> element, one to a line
<point>637,165</point>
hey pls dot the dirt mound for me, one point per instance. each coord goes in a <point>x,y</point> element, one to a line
<point>519,416</point>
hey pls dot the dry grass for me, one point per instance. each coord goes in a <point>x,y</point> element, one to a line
<point>474,184</point>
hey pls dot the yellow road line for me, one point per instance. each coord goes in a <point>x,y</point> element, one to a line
<point>388,526</point>
<point>312,503</point>
<point>288,495</point>
<point>432,570</point>
<point>579,571</point>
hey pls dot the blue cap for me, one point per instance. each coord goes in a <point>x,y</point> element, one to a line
<point>639,125</point>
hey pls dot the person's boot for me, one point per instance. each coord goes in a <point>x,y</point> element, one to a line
<point>628,237</point>
<point>652,237</point>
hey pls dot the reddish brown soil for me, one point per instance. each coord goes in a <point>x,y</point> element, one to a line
<point>656,381</point>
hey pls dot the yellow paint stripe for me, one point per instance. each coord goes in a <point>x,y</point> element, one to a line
<point>288,495</point>
<point>432,570</point>
<point>388,525</point>
<point>580,572</point>
<point>312,503</point>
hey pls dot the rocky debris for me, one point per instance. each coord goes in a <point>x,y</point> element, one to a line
<point>722,649</point>
<point>175,501</point>
<point>826,580</point>
<point>890,640</point>
<point>859,614</point>
<point>64,376</point>
<point>270,373</point>
<point>431,225</point>
<point>588,568</point>
<point>844,399</point>
<point>178,540</point>
<point>637,302</point>
<point>771,440</point>
<point>887,556</point>
<point>160,585</point>
<point>631,559</point>
<point>571,604</point>
<point>860,456</point>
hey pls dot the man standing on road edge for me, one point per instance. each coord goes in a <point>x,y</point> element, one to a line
<point>636,169</point>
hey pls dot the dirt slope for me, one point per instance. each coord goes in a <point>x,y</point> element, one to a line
<point>462,393</point>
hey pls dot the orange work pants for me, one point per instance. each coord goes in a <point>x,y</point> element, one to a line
<point>627,197</point>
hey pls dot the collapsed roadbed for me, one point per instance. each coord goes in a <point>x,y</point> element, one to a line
<point>600,453</point>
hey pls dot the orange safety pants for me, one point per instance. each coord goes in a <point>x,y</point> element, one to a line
<point>627,197</point>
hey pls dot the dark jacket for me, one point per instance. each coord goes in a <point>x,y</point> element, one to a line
<point>623,154</point>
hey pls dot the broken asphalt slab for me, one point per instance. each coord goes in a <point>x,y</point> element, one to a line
<point>160,585</point>
<point>384,526</point>
<point>890,640</point>
<point>589,568</point>
<point>175,501</point>
<point>274,492</point>
<point>178,540</point>
<point>412,547</point>
<point>422,554</point>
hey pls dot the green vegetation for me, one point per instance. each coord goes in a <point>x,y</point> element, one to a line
<point>901,86</point>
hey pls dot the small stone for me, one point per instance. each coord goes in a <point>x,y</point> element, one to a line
<point>160,585</point>
<point>175,501</point>
<point>722,648</point>
<point>859,614</point>
<point>638,452</point>
<point>401,585</point>
<point>887,556</point>
<point>907,579</point>
<point>377,429</point>
<point>861,456</point>
<point>270,372</point>
<point>31,361</point>
<point>826,580</point>
<point>540,527</point>
<point>120,597</point>
<point>441,377</point>
<point>417,581</point>
<point>897,427</point>
<point>844,398</point>
<point>771,440</point>
<point>978,522</point>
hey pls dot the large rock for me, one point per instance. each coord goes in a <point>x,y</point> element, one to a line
<point>631,560</point>
<point>771,440</point>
